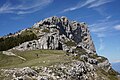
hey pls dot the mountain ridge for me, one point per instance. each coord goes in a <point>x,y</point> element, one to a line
<point>56,33</point>
<point>115,66</point>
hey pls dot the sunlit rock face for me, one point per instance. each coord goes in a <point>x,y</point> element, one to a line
<point>55,31</point>
<point>57,34</point>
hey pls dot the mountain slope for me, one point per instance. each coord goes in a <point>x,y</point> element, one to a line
<point>50,31</point>
<point>53,49</point>
<point>116,66</point>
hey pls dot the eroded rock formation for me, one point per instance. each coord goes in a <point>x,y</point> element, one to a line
<point>55,32</point>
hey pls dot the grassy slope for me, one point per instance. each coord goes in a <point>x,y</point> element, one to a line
<point>44,58</point>
<point>110,75</point>
<point>33,58</point>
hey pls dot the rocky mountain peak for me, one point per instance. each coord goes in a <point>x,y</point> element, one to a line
<point>51,33</point>
<point>64,46</point>
<point>59,33</point>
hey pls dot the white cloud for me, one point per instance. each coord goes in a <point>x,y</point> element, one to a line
<point>103,27</point>
<point>117,27</point>
<point>106,19</point>
<point>99,3</point>
<point>100,35</point>
<point>102,46</point>
<point>24,6</point>
<point>97,28</point>
<point>115,61</point>
<point>88,4</point>
<point>79,5</point>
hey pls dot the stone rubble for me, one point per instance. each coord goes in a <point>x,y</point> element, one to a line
<point>76,70</point>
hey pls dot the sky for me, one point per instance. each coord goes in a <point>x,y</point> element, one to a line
<point>102,17</point>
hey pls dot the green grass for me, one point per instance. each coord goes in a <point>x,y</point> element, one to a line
<point>27,32</point>
<point>79,53</point>
<point>8,60</point>
<point>110,75</point>
<point>34,58</point>
<point>45,58</point>
<point>46,30</point>
<point>102,59</point>
<point>95,56</point>
<point>70,43</point>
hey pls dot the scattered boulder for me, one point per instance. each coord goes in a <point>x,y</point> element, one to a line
<point>105,65</point>
<point>92,61</point>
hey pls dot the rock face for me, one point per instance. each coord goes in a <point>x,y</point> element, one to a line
<point>54,32</point>
<point>48,41</point>
<point>105,65</point>
<point>62,34</point>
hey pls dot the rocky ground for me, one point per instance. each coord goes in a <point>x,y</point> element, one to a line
<point>63,50</point>
<point>77,66</point>
<point>76,70</point>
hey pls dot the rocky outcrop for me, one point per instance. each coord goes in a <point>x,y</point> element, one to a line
<point>54,32</point>
<point>48,41</point>
<point>61,34</point>
<point>105,65</point>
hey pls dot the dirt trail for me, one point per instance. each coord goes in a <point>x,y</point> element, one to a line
<point>12,54</point>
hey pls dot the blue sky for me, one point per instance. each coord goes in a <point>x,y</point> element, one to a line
<point>102,17</point>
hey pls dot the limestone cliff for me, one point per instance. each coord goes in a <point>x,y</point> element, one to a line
<point>59,33</point>
<point>55,36</point>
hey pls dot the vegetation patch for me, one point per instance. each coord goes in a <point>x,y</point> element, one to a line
<point>102,59</point>
<point>70,43</point>
<point>99,58</point>
<point>6,60</point>
<point>10,42</point>
<point>34,58</point>
<point>110,75</point>
<point>79,53</point>
<point>46,30</point>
